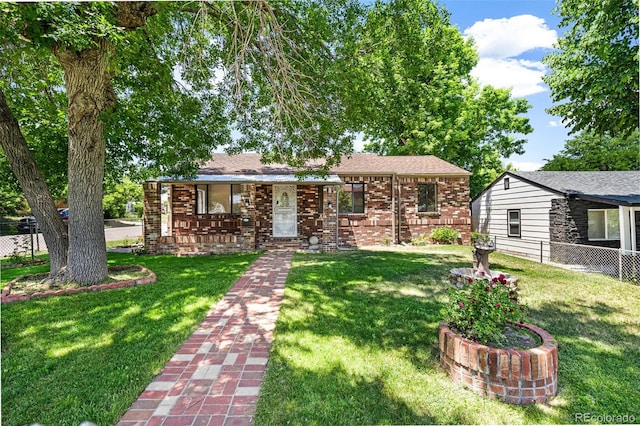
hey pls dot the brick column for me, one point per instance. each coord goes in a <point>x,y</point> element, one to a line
<point>248,230</point>
<point>330,218</point>
<point>152,219</point>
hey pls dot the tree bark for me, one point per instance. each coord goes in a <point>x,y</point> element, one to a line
<point>35,189</point>
<point>88,83</point>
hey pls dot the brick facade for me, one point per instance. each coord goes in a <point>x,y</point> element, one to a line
<point>191,233</point>
<point>453,207</point>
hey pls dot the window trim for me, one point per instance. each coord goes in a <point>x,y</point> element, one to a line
<point>519,223</point>
<point>606,227</point>
<point>435,197</point>
<point>352,192</point>
<point>231,194</point>
<point>507,183</point>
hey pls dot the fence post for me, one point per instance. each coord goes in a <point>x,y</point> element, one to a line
<point>31,227</point>
<point>620,264</point>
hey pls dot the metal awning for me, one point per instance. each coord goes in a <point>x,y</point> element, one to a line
<point>250,178</point>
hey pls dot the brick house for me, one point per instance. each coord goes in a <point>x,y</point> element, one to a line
<point>236,203</point>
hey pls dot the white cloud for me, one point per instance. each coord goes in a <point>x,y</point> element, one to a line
<point>522,76</point>
<point>510,37</point>
<point>500,42</point>
<point>554,123</point>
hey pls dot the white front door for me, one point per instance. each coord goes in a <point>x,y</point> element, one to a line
<point>285,220</point>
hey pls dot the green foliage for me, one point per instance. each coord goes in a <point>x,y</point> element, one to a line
<point>482,308</point>
<point>479,237</point>
<point>414,94</point>
<point>594,73</point>
<point>588,151</point>
<point>420,240</point>
<point>117,195</point>
<point>444,235</point>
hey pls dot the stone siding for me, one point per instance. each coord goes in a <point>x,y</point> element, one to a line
<point>569,222</point>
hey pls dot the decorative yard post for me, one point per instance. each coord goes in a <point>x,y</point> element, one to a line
<point>481,257</point>
<point>152,218</point>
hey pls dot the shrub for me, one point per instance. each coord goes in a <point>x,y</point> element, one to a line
<point>482,308</point>
<point>386,240</point>
<point>479,237</point>
<point>421,240</point>
<point>444,235</point>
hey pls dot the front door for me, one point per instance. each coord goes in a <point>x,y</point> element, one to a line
<point>284,211</point>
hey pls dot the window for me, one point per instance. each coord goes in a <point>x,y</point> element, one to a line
<point>604,224</point>
<point>506,183</point>
<point>351,198</point>
<point>513,223</point>
<point>218,199</point>
<point>428,197</point>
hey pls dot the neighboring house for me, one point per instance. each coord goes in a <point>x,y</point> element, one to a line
<point>589,208</point>
<point>236,203</point>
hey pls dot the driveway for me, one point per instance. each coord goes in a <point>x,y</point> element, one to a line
<point>8,242</point>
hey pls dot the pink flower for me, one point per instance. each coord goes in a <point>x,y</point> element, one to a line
<point>482,272</point>
<point>487,288</point>
<point>461,305</point>
<point>498,305</point>
<point>470,280</point>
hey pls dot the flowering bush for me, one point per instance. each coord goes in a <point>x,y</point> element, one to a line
<point>482,308</point>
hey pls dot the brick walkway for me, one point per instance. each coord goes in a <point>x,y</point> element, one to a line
<point>215,377</point>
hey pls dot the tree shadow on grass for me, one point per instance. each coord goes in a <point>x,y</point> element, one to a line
<point>379,305</point>
<point>355,400</point>
<point>88,356</point>
<point>598,358</point>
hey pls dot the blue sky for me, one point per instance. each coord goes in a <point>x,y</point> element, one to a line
<point>512,37</point>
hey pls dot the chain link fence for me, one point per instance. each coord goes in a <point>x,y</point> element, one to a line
<point>20,241</point>
<point>622,264</point>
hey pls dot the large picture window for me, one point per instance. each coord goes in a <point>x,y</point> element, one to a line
<point>604,224</point>
<point>351,198</point>
<point>514,227</point>
<point>218,199</point>
<point>427,197</point>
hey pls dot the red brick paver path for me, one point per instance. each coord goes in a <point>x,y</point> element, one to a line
<point>215,377</point>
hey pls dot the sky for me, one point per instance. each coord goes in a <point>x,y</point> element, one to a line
<point>512,37</point>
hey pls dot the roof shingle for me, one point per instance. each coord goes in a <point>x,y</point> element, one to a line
<point>249,163</point>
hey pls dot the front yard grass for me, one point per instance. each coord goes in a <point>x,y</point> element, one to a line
<point>88,356</point>
<point>356,343</point>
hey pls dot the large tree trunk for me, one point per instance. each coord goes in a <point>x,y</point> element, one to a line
<point>88,83</point>
<point>35,189</point>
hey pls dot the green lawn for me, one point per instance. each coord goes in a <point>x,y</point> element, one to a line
<point>356,342</point>
<point>88,356</point>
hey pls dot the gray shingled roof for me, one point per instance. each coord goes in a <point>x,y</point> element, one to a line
<point>249,163</point>
<point>616,187</point>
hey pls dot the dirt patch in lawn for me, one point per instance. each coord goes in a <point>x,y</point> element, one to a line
<point>26,287</point>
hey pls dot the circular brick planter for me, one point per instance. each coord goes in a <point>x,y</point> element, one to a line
<point>6,297</point>
<point>515,376</point>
